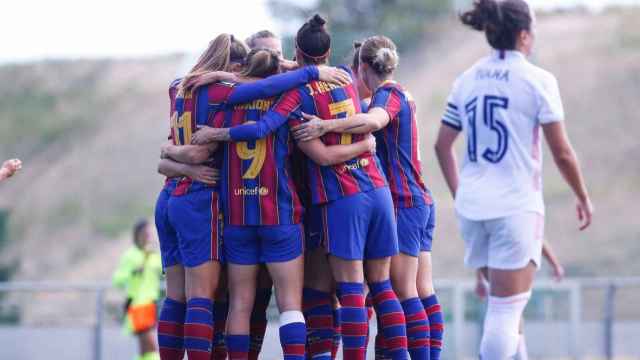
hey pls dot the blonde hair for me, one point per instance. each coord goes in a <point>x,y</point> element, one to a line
<point>380,53</point>
<point>221,52</point>
<point>261,63</point>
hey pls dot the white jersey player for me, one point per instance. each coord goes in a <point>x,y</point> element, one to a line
<point>500,104</point>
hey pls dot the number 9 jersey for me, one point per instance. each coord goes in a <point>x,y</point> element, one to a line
<point>500,103</point>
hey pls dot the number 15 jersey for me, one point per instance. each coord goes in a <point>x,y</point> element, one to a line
<point>500,103</point>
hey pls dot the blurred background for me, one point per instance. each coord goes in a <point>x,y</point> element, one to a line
<point>83,103</point>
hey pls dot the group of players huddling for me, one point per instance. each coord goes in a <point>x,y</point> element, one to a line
<point>307,178</point>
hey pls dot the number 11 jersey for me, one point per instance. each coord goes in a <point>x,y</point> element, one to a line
<point>500,103</point>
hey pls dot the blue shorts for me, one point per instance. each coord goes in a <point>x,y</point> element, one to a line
<point>197,220</point>
<point>169,247</point>
<point>250,245</point>
<point>361,226</point>
<point>415,229</point>
<point>313,228</point>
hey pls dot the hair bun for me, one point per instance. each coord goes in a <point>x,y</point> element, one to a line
<point>357,45</point>
<point>317,22</point>
<point>386,60</point>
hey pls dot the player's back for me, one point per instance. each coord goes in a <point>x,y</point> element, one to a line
<point>258,188</point>
<point>362,173</point>
<point>500,103</point>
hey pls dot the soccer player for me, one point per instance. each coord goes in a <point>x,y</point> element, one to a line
<point>263,218</point>
<point>501,103</point>
<point>187,211</point>
<point>139,273</point>
<point>392,118</point>
<point>356,205</point>
<point>10,168</point>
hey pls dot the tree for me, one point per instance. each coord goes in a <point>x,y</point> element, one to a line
<point>402,20</point>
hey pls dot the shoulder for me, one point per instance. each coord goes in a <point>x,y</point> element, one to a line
<point>174,84</point>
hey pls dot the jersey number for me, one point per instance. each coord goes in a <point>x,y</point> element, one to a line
<point>490,104</point>
<point>258,154</point>
<point>181,122</point>
<point>344,106</point>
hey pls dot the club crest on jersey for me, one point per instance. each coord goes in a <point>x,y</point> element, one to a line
<point>493,74</point>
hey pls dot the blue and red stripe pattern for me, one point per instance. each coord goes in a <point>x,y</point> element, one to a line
<point>171,330</point>
<point>398,146</point>
<point>353,320</point>
<point>190,109</point>
<point>417,328</point>
<point>392,320</point>
<point>257,182</point>
<point>198,328</point>
<point>327,101</point>
<point>318,313</point>
<point>436,319</point>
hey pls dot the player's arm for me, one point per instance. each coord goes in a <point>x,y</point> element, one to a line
<point>364,123</point>
<point>202,173</point>
<point>447,156</point>
<point>188,154</point>
<point>324,155</point>
<point>9,168</point>
<point>123,272</point>
<point>288,104</point>
<point>567,162</point>
<point>549,254</point>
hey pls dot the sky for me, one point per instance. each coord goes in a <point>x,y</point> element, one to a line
<point>37,29</point>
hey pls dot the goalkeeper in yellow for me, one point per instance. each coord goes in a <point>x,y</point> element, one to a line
<point>139,273</point>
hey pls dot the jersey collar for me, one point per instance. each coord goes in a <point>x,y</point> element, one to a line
<point>508,54</point>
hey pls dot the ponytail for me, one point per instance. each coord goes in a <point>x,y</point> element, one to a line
<point>221,52</point>
<point>501,21</point>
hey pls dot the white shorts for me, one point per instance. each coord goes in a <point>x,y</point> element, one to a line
<point>507,243</point>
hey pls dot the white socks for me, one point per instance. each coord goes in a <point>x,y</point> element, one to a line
<point>522,349</point>
<point>501,324</point>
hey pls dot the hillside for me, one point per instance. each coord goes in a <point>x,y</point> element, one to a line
<point>89,132</point>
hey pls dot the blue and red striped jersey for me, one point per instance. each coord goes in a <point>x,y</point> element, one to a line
<point>327,101</point>
<point>189,110</point>
<point>398,146</point>
<point>257,175</point>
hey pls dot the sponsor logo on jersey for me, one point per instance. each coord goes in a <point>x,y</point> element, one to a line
<point>254,191</point>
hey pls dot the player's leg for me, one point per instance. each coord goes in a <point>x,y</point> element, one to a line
<point>148,347</point>
<point>242,254</point>
<point>381,245</point>
<point>195,216</point>
<point>259,312</point>
<point>221,309</point>
<point>173,310</point>
<point>426,289</point>
<point>282,251</point>
<point>515,248</point>
<point>412,223</point>
<point>317,295</point>
<point>345,224</point>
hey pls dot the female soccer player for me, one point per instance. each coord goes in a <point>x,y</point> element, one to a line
<point>500,103</point>
<point>391,115</point>
<point>263,218</point>
<point>9,168</point>
<point>139,273</point>
<point>357,209</point>
<point>187,211</point>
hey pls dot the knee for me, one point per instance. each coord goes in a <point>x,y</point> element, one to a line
<point>404,288</point>
<point>176,293</point>
<point>501,325</point>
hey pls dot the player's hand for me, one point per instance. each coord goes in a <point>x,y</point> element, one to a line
<point>209,78</point>
<point>203,174</point>
<point>371,141</point>
<point>288,65</point>
<point>11,167</point>
<point>584,209</point>
<point>312,128</point>
<point>481,289</point>
<point>558,272</point>
<point>334,75</point>
<point>165,151</point>
<point>206,135</point>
